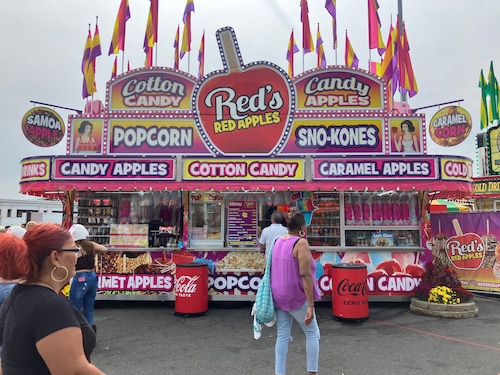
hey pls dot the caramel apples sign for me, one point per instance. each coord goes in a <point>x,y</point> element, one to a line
<point>465,251</point>
<point>239,114</point>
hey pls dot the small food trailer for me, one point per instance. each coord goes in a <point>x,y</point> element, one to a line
<point>190,170</point>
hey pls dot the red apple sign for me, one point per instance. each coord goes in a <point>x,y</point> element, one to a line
<point>244,109</point>
<point>465,251</point>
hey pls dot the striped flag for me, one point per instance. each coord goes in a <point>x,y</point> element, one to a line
<point>407,81</point>
<point>350,56</point>
<point>484,121</point>
<point>374,34</point>
<point>186,34</point>
<point>118,38</point>
<point>307,40</point>
<point>85,63</point>
<point>331,7</point>
<point>291,51</point>
<point>389,69</point>
<point>176,49</point>
<point>151,35</point>
<point>95,51</point>
<point>320,52</point>
<point>201,56</point>
<point>114,69</point>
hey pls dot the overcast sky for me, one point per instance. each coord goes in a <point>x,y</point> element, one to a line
<point>43,42</point>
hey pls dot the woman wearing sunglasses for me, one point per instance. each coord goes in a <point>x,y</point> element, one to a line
<point>41,332</point>
<point>84,285</point>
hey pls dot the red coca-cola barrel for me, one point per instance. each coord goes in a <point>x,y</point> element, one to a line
<point>191,288</point>
<point>349,291</point>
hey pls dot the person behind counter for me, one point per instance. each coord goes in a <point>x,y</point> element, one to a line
<point>294,291</point>
<point>271,232</point>
<point>84,285</point>
<point>41,331</point>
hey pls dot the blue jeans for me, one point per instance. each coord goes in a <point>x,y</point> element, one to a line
<point>82,293</point>
<point>284,320</point>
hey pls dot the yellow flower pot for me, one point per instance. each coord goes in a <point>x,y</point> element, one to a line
<point>440,310</point>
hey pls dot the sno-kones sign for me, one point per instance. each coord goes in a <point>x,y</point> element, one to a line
<point>251,109</point>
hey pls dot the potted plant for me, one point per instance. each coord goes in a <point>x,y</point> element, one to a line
<point>441,294</point>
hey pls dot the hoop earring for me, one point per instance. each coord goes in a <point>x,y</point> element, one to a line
<point>302,233</point>
<point>59,280</point>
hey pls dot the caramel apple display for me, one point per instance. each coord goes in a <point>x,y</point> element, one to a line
<point>390,266</point>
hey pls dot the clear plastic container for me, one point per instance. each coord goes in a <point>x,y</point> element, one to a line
<point>376,203</point>
<point>356,208</point>
<point>396,209</point>
<point>349,218</point>
<point>366,208</point>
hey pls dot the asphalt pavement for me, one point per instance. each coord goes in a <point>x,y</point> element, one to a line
<point>148,338</point>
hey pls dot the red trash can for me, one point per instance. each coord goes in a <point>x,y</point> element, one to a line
<point>191,288</point>
<point>349,291</point>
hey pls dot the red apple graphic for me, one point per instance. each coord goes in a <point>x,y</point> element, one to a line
<point>243,109</point>
<point>390,266</point>
<point>415,270</point>
<point>377,273</point>
<point>465,251</point>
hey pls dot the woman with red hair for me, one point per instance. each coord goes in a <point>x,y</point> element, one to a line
<point>41,332</point>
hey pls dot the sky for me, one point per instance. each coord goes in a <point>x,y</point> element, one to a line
<point>43,43</point>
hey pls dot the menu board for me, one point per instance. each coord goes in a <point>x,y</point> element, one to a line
<point>242,222</point>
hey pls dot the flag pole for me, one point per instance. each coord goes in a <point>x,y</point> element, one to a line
<point>400,32</point>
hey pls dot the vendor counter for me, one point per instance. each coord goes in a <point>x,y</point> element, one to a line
<point>234,274</point>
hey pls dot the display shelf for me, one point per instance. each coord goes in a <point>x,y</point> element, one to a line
<point>96,215</point>
<point>324,229</point>
<point>387,237</point>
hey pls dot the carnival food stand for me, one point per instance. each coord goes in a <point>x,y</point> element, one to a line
<point>189,170</point>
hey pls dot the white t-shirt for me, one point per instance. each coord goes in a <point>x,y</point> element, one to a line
<point>270,233</point>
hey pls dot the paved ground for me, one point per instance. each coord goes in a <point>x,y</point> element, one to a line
<point>148,338</point>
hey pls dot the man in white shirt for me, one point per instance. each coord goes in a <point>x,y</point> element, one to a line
<point>274,230</point>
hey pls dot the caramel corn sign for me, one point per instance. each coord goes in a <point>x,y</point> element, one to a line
<point>450,126</point>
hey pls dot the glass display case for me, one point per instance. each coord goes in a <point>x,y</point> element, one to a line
<point>96,214</point>
<point>205,219</point>
<point>381,219</point>
<point>324,229</point>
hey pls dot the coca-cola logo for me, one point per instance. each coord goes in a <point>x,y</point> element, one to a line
<point>186,285</point>
<point>346,288</point>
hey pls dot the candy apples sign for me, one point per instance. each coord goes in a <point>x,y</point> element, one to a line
<point>465,251</point>
<point>244,109</point>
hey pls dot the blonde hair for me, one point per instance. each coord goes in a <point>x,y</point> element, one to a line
<point>30,224</point>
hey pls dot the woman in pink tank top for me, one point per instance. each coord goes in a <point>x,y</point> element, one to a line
<point>294,290</point>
